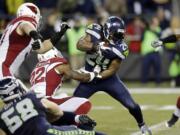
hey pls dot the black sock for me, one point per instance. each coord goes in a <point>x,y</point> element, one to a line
<point>173,119</point>
<point>67,119</point>
<point>136,112</point>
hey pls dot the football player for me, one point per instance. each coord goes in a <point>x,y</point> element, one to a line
<point>23,113</point>
<point>20,33</point>
<point>156,44</point>
<point>105,51</point>
<point>47,78</point>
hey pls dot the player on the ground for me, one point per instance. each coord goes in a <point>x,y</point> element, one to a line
<point>47,78</point>
<point>16,41</point>
<point>170,39</point>
<point>23,113</point>
<point>105,51</point>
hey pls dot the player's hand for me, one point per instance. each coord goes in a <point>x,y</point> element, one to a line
<point>36,44</point>
<point>156,43</point>
<point>64,27</point>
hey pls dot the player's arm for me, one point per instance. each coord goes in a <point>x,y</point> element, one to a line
<point>53,110</point>
<point>170,39</point>
<point>2,132</point>
<point>69,73</point>
<point>85,44</point>
<point>26,28</point>
<point>112,69</point>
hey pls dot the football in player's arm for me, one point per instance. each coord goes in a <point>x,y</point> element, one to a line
<point>85,44</point>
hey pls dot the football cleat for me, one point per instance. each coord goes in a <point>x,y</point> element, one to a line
<point>145,130</point>
<point>172,121</point>
<point>86,123</point>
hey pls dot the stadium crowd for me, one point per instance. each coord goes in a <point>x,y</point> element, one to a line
<point>145,21</point>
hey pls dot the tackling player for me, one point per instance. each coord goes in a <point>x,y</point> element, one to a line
<point>20,33</point>
<point>47,78</point>
<point>156,44</point>
<point>23,113</point>
<point>105,51</point>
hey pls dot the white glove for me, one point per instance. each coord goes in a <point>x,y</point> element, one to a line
<point>97,70</point>
<point>156,43</point>
<point>92,74</point>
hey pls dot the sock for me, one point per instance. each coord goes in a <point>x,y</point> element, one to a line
<point>136,112</point>
<point>67,119</point>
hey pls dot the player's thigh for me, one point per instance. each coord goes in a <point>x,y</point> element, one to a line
<point>120,92</point>
<point>85,90</point>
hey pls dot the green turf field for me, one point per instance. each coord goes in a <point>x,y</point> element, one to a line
<point>113,119</point>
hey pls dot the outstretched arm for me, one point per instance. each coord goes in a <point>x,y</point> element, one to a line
<point>170,39</point>
<point>69,73</point>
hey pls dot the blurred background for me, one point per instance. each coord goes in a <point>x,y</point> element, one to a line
<point>144,65</point>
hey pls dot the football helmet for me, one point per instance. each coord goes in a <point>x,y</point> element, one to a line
<point>49,54</point>
<point>30,10</point>
<point>10,89</point>
<point>114,29</point>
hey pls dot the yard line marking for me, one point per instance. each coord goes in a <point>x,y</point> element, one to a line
<point>103,107</point>
<point>154,128</point>
<point>143,107</point>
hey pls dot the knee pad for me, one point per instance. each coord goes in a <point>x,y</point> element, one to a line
<point>178,103</point>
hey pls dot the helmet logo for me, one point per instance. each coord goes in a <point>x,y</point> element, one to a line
<point>33,9</point>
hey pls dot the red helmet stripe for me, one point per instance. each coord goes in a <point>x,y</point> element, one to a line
<point>33,9</point>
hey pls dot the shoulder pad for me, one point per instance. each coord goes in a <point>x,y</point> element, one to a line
<point>94,30</point>
<point>121,50</point>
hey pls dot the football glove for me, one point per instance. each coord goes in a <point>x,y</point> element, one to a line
<point>36,44</point>
<point>85,122</point>
<point>156,43</point>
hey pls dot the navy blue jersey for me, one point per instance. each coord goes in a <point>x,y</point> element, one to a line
<point>26,116</point>
<point>117,51</point>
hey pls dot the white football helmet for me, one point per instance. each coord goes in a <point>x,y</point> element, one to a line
<point>30,10</point>
<point>49,54</point>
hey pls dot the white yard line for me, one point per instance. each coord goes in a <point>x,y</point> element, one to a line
<point>154,128</point>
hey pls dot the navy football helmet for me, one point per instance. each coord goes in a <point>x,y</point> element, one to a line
<point>114,29</point>
<point>10,89</point>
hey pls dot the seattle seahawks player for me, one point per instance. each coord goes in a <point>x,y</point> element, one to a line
<point>105,51</point>
<point>23,113</point>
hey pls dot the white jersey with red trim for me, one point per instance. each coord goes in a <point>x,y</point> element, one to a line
<point>44,79</point>
<point>14,47</point>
